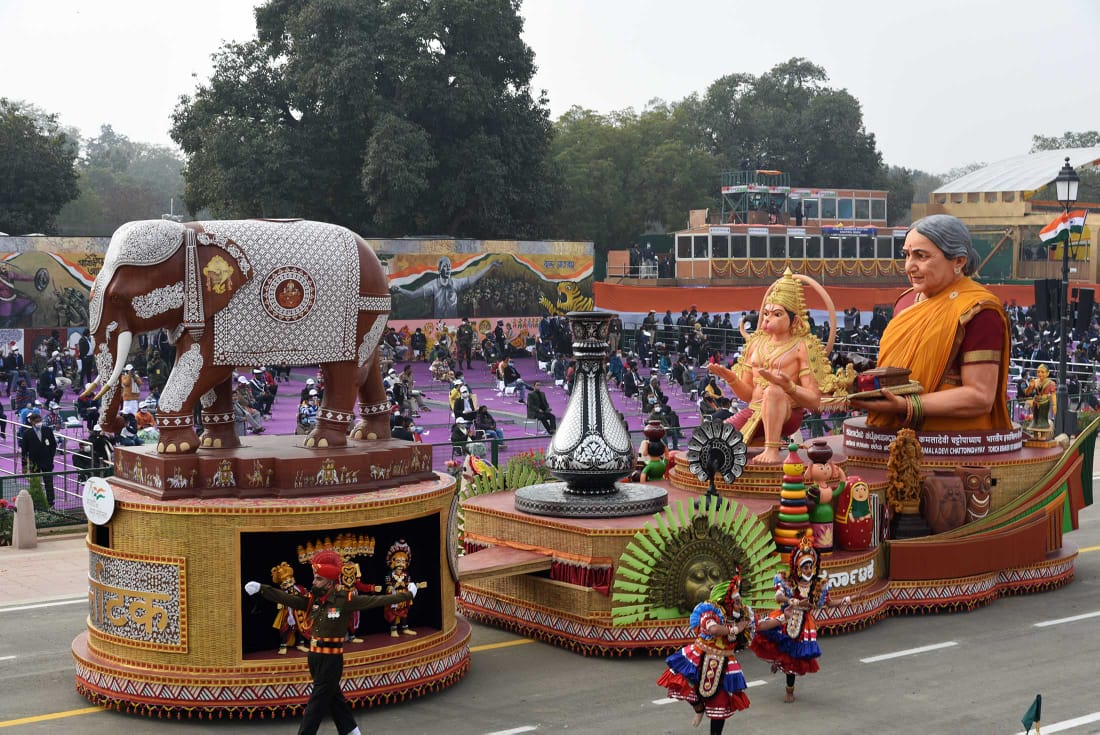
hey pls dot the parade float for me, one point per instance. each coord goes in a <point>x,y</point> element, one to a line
<point>913,522</point>
<point>182,524</point>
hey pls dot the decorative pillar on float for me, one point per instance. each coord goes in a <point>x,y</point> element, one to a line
<point>822,477</point>
<point>591,449</point>
<point>794,513</point>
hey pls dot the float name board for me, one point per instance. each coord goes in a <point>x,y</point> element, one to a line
<point>939,444</point>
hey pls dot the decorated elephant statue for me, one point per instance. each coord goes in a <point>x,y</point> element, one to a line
<point>243,293</point>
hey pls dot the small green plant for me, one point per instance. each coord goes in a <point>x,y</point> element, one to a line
<point>531,459</point>
<point>1086,416</point>
<point>38,495</point>
<point>7,520</point>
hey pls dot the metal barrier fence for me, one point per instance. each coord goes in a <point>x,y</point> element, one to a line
<point>520,437</point>
<point>68,507</point>
<point>68,476</point>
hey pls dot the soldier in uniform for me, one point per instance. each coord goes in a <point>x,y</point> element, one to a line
<point>465,342</point>
<point>328,614</point>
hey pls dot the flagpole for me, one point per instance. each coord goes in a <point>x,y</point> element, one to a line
<point>1061,393</point>
<point>1066,185</point>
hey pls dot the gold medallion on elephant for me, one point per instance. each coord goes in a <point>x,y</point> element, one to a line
<point>288,294</point>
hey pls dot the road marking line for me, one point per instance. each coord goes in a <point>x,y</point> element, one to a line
<point>756,683</point>
<point>666,700</point>
<point>503,644</point>
<point>1087,549</point>
<point>670,700</point>
<point>90,710</point>
<point>514,730</point>
<point>6,658</point>
<point>908,652</point>
<point>1074,619</point>
<point>52,716</point>
<point>44,604</point>
<point>1070,724</point>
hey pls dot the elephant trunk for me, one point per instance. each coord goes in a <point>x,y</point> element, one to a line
<point>110,359</point>
<point>125,340</point>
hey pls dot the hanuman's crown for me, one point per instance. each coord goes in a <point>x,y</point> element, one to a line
<point>282,574</point>
<point>787,292</point>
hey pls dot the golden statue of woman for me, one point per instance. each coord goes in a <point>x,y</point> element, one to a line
<point>780,371</point>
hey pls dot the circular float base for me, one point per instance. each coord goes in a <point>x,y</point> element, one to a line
<point>555,499</point>
<point>258,690</point>
<point>170,631</point>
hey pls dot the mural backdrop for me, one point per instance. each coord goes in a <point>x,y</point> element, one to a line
<point>45,281</point>
<point>487,285</point>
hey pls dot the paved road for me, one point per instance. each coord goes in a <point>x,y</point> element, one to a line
<point>979,674</point>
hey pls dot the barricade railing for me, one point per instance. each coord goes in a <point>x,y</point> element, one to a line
<point>72,467</point>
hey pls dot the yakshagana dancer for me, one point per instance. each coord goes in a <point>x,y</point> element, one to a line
<point>705,673</point>
<point>787,637</point>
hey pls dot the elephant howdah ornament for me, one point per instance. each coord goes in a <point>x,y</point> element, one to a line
<point>244,293</point>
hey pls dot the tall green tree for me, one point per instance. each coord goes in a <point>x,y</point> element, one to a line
<point>1089,189</point>
<point>37,169</point>
<point>122,180</point>
<point>789,119</point>
<point>899,183</point>
<point>391,117</point>
<point>627,173</point>
<point>1068,139</point>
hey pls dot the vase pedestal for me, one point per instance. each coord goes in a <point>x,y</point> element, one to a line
<point>591,450</point>
<point>555,499</point>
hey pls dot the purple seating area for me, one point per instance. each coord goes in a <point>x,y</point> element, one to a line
<point>521,434</point>
<point>511,415</point>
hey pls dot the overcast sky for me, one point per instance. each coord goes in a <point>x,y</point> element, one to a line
<point>942,84</point>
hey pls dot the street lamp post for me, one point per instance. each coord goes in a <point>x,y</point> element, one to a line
<point>1066,187</point>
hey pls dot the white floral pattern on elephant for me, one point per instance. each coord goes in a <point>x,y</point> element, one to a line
<point>182,380</point>
<point>159,300</point>
<point>319,279</point>
<point>329,256</point>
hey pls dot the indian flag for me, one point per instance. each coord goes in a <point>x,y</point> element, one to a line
<point>1063,225</point>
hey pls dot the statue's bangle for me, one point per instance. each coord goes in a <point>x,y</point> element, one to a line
<point>908,411</point>
<point>918,412</point>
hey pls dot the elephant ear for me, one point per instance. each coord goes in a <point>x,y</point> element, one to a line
<point>222,270</point>
<point>215,268</point>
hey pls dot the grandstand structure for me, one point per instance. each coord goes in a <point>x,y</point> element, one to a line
<point>726,257</point>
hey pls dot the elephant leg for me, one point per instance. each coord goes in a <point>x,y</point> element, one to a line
<point>374,405</point>
<point>189,379</point>
<point>218,421</point>
<point>334,416</point>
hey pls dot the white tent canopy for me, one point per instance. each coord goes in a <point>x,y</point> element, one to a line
<point>1021,173</point>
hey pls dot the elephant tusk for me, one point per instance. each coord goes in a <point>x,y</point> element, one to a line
<point>125,340</point>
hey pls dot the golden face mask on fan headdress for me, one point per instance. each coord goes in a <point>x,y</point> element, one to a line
<point>787,292</point>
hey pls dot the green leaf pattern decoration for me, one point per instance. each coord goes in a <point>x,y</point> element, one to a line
<point>651,575</point>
